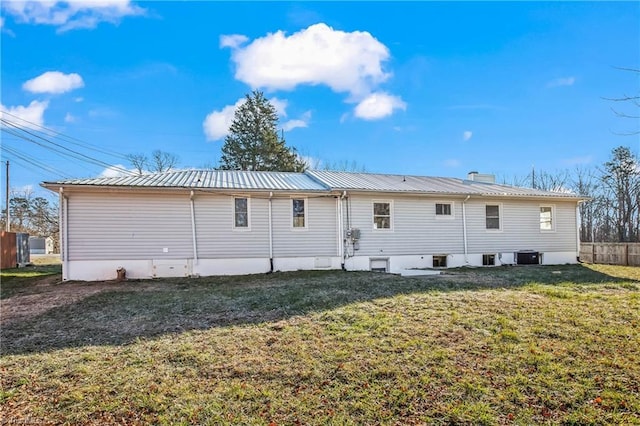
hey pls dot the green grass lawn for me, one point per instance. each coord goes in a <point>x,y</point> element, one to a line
<point>507,345</point>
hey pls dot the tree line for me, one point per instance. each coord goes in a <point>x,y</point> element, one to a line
<point>612,211</point>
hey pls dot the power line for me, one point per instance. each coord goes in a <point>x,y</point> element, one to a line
<point>66,138</point>
<point>38,164</point>
<point>19,131</point>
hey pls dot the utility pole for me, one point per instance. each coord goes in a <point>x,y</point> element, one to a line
<point>8,224</point>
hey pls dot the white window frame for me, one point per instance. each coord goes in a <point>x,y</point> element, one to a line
<point>553,217</point>
<point>444,216</point>
<point>373,221</point>
<point>233,209</point>
<point>500,216</point>
<point>306,214</point>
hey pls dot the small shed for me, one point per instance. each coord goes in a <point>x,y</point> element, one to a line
<point>40,245</point>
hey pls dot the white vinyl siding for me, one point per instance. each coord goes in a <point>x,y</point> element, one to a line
<point>216,236</point>
<point>319,236</point>
<point>129,226</point>
<point>414,231</point>
<point>520,227</point>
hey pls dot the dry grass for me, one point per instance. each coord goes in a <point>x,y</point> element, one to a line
<point>528,345</point>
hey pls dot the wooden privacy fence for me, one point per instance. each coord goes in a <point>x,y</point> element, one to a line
<point>611,253</point>
<point>9,250</point>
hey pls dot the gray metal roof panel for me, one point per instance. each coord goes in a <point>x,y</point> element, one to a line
<point>206,179</point>
<point>350,181</point>
<point>312,180</point>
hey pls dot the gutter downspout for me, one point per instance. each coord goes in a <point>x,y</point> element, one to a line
<point>64,235</point>
<point>341,251</point>
<point>464,229</point>
<point>193,229</point>
<point>270,234</point>
<point>578,220</point>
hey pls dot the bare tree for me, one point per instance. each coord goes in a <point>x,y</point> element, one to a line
<point>33,214</point>
<point>627,101</point>
<point>163,161</point>
<point>586,183</point>
<point>621,176</point>
<point>160,161</point>
<point>139,162</point>
<point>344,166</point>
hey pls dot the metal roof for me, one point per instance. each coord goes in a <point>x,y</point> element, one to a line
<point>312,180</point>
<point>206,179</point>
<point>349,181</point>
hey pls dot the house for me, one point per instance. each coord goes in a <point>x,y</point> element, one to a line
<point>206,222</point>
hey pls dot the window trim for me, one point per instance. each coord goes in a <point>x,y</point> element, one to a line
<point>233,208</point>
<point>373,221</point>
<point>553,217</point>
<point>500,215</point>
<point>444,216</point>
<point>306,214</point>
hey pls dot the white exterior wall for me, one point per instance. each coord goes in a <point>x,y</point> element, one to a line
<point>317,239</point>
<point>134,226</point>
<point>216,236</point>
<point>417,234</point>
<point>150,233</point>
<point>520,227</point>
<point>415,228</point>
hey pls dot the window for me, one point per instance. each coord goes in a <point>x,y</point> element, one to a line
<point>381,215</point>
<point>440,261</point>
<point>241,212</point>
<point>299,213</point>
<point>546,218</point>
<point>493,216</point>
<point>443,209</point>
<point>488,259</point>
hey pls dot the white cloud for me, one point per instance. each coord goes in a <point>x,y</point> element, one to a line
<point>311,162</point>
<point>115,171</point>
<point>280,105</point>
<point>216,124</point>
<point>232,40</point>
<point>69,15</point>
<point>79,99</point>
<point>466,135</point>
<point>378,105</point>
<point>30,116</point>
<point>69,118</point>
<point>344,61</point>
<point>452,163</point>
<point>54,82</point>
<point>563,81</point>
<point>303,121</point>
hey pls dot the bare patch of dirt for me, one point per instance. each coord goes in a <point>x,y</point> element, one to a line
<point>51,292</point>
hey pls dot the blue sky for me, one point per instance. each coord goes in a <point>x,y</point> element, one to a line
<point>419,88</point>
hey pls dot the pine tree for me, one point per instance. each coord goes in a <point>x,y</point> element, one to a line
<point>253,142</point>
